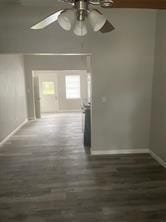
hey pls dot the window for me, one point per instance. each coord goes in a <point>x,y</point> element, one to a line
<point>48,88</point>
<point>72,87</point>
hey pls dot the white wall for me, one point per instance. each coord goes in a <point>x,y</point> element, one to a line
<point>122,65</point>
<point>12,94</point>
<point>158,132</point>
<point>59,77</point>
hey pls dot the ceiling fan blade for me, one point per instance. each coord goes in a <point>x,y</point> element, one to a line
<point>108,27</point>
<point>47,21</point>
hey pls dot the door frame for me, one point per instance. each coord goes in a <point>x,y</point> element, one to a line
<point>36,93</point>
<point>37,73</point>
<point>36,67</point>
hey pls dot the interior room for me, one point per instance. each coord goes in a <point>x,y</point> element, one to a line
<point>82,110</point>
<point>60,91</point>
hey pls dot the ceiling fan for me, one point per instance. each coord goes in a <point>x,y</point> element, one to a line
<point>75,17</point>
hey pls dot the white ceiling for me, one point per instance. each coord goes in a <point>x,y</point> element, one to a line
<point>39,3</point>
<point>9,2</point>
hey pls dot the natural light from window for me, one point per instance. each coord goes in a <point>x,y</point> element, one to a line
<point>48,88</point>
<point>72,87</point>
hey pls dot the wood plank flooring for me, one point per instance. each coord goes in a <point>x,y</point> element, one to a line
<point>46,176</point>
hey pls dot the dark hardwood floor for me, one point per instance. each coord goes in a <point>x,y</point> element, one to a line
<point>46,176</point>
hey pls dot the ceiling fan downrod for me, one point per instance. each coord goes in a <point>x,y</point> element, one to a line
<point>81,9</point>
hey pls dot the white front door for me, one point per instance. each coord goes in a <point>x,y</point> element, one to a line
<point>49,95</point>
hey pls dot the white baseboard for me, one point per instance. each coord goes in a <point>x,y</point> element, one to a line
<point>118,151</point>
<point>13,132</point>
<point>158,159</point>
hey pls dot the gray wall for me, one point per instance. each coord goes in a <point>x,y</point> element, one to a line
<point>158,132</point>
<point>122,71</point>
<point>122,66</point>
<point>12,94</point>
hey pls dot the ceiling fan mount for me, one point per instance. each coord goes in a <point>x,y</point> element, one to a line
<point>76,15</point>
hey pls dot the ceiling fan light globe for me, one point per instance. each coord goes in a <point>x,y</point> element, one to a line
<point>96,20</point>
<point>66,19</point>
<point>80,28</point>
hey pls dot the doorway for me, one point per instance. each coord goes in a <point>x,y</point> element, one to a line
<point>61,97</point>
<point>45,92</point>
<point>61,91</point>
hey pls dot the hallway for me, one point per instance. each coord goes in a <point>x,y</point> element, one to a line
<point>46,176</point>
